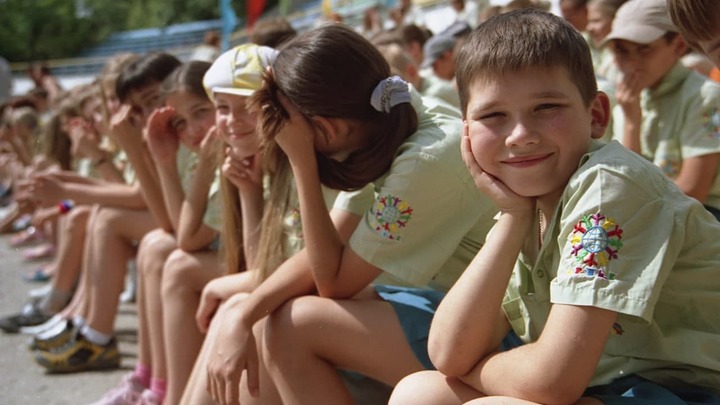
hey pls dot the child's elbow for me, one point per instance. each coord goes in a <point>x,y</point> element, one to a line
<point>447,361</point>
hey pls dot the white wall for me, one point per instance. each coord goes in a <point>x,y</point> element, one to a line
<point>22,85</point>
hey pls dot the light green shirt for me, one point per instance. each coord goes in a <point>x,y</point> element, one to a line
<point>626,239</point>
<point>424,220</point>
<point>433,86</point>
<point>292,223</point>
<point>681,119</point>
<point>187,161</point>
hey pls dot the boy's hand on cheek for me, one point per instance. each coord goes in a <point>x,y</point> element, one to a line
<point>504,198</point>
<point>123,127</point>
<point>627,94</point>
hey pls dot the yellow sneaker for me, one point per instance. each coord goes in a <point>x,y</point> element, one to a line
<point>79,354</point>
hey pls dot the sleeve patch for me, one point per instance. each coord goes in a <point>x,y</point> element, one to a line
<point>595,241</point>
<point>711,122</point>
<point>389,215</point>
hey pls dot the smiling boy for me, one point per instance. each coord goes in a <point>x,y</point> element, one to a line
<point>599,282</point>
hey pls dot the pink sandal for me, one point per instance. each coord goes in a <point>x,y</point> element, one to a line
<point>44,251</point>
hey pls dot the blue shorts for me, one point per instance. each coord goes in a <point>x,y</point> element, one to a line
<point>639,391</point>
<point>214,246</point>
<point>414,308</point>
<point>635,389</point>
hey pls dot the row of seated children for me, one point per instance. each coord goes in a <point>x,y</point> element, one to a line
<point>610,254</point>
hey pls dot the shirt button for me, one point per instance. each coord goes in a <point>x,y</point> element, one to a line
<point>541,273</point>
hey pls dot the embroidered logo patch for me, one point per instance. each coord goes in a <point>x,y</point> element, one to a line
<point>389,215</point>
<point>711,122</point>
<point>595,241</point>
<point>671,167</point>
<point>617,329</point>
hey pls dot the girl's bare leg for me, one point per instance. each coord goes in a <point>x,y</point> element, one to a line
<point>152,253</point>
<point>79,306</point>
<point>195,390</point>
<point>184,276</point>
<point>111,235</point>
<point>70,248</point>
<point>309,338</point>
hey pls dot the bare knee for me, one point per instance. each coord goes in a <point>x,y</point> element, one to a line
<point>285,327</point>
<point>154,249</point>
<point>177,272</point>
<point>424,387</point>
<point>77,218</point>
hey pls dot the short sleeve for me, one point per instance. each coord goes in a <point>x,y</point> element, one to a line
<point>701,133</point>
<point>356,202</point>
<point>419,216</point>
<point>616,242</point>
<point>213,210</point>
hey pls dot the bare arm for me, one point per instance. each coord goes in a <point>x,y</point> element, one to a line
<point>129,136</point>
<point>192,233</point>
<point>460,334</point>
<point>113,195</point>
<point>338,271</point>
<point>545,371</point>
<point>627,95</point>
<point>697,175</point>
<point>245,173</point>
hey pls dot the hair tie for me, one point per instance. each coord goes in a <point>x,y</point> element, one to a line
<point>389,93</point>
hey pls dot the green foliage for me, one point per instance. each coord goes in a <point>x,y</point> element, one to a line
<point>49,29</point>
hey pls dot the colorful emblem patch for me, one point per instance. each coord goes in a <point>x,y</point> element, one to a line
<point>595,241</point>
<point>617,329</point>
<point>389,215</point>
<point>711,122</point>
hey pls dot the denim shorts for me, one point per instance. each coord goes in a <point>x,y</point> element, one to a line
<point>414,308</point>
<point>635,390</point>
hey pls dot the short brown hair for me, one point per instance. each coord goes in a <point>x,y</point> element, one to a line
<point>525,39</point>
<point>697,20</point>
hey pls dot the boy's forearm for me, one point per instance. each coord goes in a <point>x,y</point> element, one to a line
<point>172,193</point>
<point>150,186</point>
<point>631,136</point>
<point>469,323</point>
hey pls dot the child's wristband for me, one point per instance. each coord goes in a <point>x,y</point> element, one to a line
<point>66,206</point>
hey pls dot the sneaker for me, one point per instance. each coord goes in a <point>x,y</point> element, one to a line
<point>79,354</point>
<point>54,341</point>
<point>128,295</point>
<point>30,316</point>
<point>36,294</point>
<point>43,327</point>
<point>128,392</point>
<point>148,397</point>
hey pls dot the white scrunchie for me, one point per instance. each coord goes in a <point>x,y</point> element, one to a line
<point>389,93</point>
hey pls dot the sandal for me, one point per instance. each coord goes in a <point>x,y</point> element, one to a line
<point>38,276</point>
<point>44,251</point>
<point>27,237</point>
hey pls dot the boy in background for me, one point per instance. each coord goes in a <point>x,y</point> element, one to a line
<point>666,112</point>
